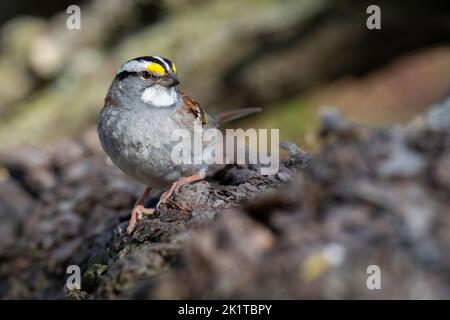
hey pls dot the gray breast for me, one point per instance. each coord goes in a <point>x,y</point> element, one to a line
<point>139,142</point>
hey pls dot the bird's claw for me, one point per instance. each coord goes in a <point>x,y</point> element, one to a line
<point>136,214</point>
<point>164,197</point>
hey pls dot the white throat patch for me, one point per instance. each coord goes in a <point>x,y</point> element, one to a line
<point>159,96</point>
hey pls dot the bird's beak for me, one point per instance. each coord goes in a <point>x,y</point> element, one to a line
<point>169,80</point>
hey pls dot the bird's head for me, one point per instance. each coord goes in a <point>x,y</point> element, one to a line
<point>152,78</point>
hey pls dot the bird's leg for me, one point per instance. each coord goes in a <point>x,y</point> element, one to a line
<point>177,185</point>
<point>139,210</point>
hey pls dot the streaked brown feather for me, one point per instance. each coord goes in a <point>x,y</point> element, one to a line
<point>192,106</point>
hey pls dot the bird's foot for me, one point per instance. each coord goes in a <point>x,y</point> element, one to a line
<point>136,214</point>
<point>166,195</point>
<point>177,185</point>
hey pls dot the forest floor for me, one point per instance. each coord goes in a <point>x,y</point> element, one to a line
<point>369,197</point>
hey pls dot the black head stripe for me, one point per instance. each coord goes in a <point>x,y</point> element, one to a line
<point>168,62</point>
<point>124,74</point>
<point>148,59</point>
<point>156,60</point>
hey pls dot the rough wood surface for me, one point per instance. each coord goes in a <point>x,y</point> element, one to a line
<point>368,197</point>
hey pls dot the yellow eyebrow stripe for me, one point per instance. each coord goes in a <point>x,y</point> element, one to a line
<point>174,69</point>
<point>156,68</point>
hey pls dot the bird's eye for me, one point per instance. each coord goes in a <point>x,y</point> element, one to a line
<point>146,75</point>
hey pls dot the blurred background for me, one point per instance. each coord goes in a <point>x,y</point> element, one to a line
<point>289,56</point>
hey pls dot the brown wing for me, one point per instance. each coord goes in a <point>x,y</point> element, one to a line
<point>193,107</point>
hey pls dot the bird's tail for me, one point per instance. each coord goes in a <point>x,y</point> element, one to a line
<point>228,116</point>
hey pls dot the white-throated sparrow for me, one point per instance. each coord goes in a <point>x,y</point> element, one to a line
<point>142,109</point>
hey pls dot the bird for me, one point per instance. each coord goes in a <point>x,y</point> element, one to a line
<point>142,108</point>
